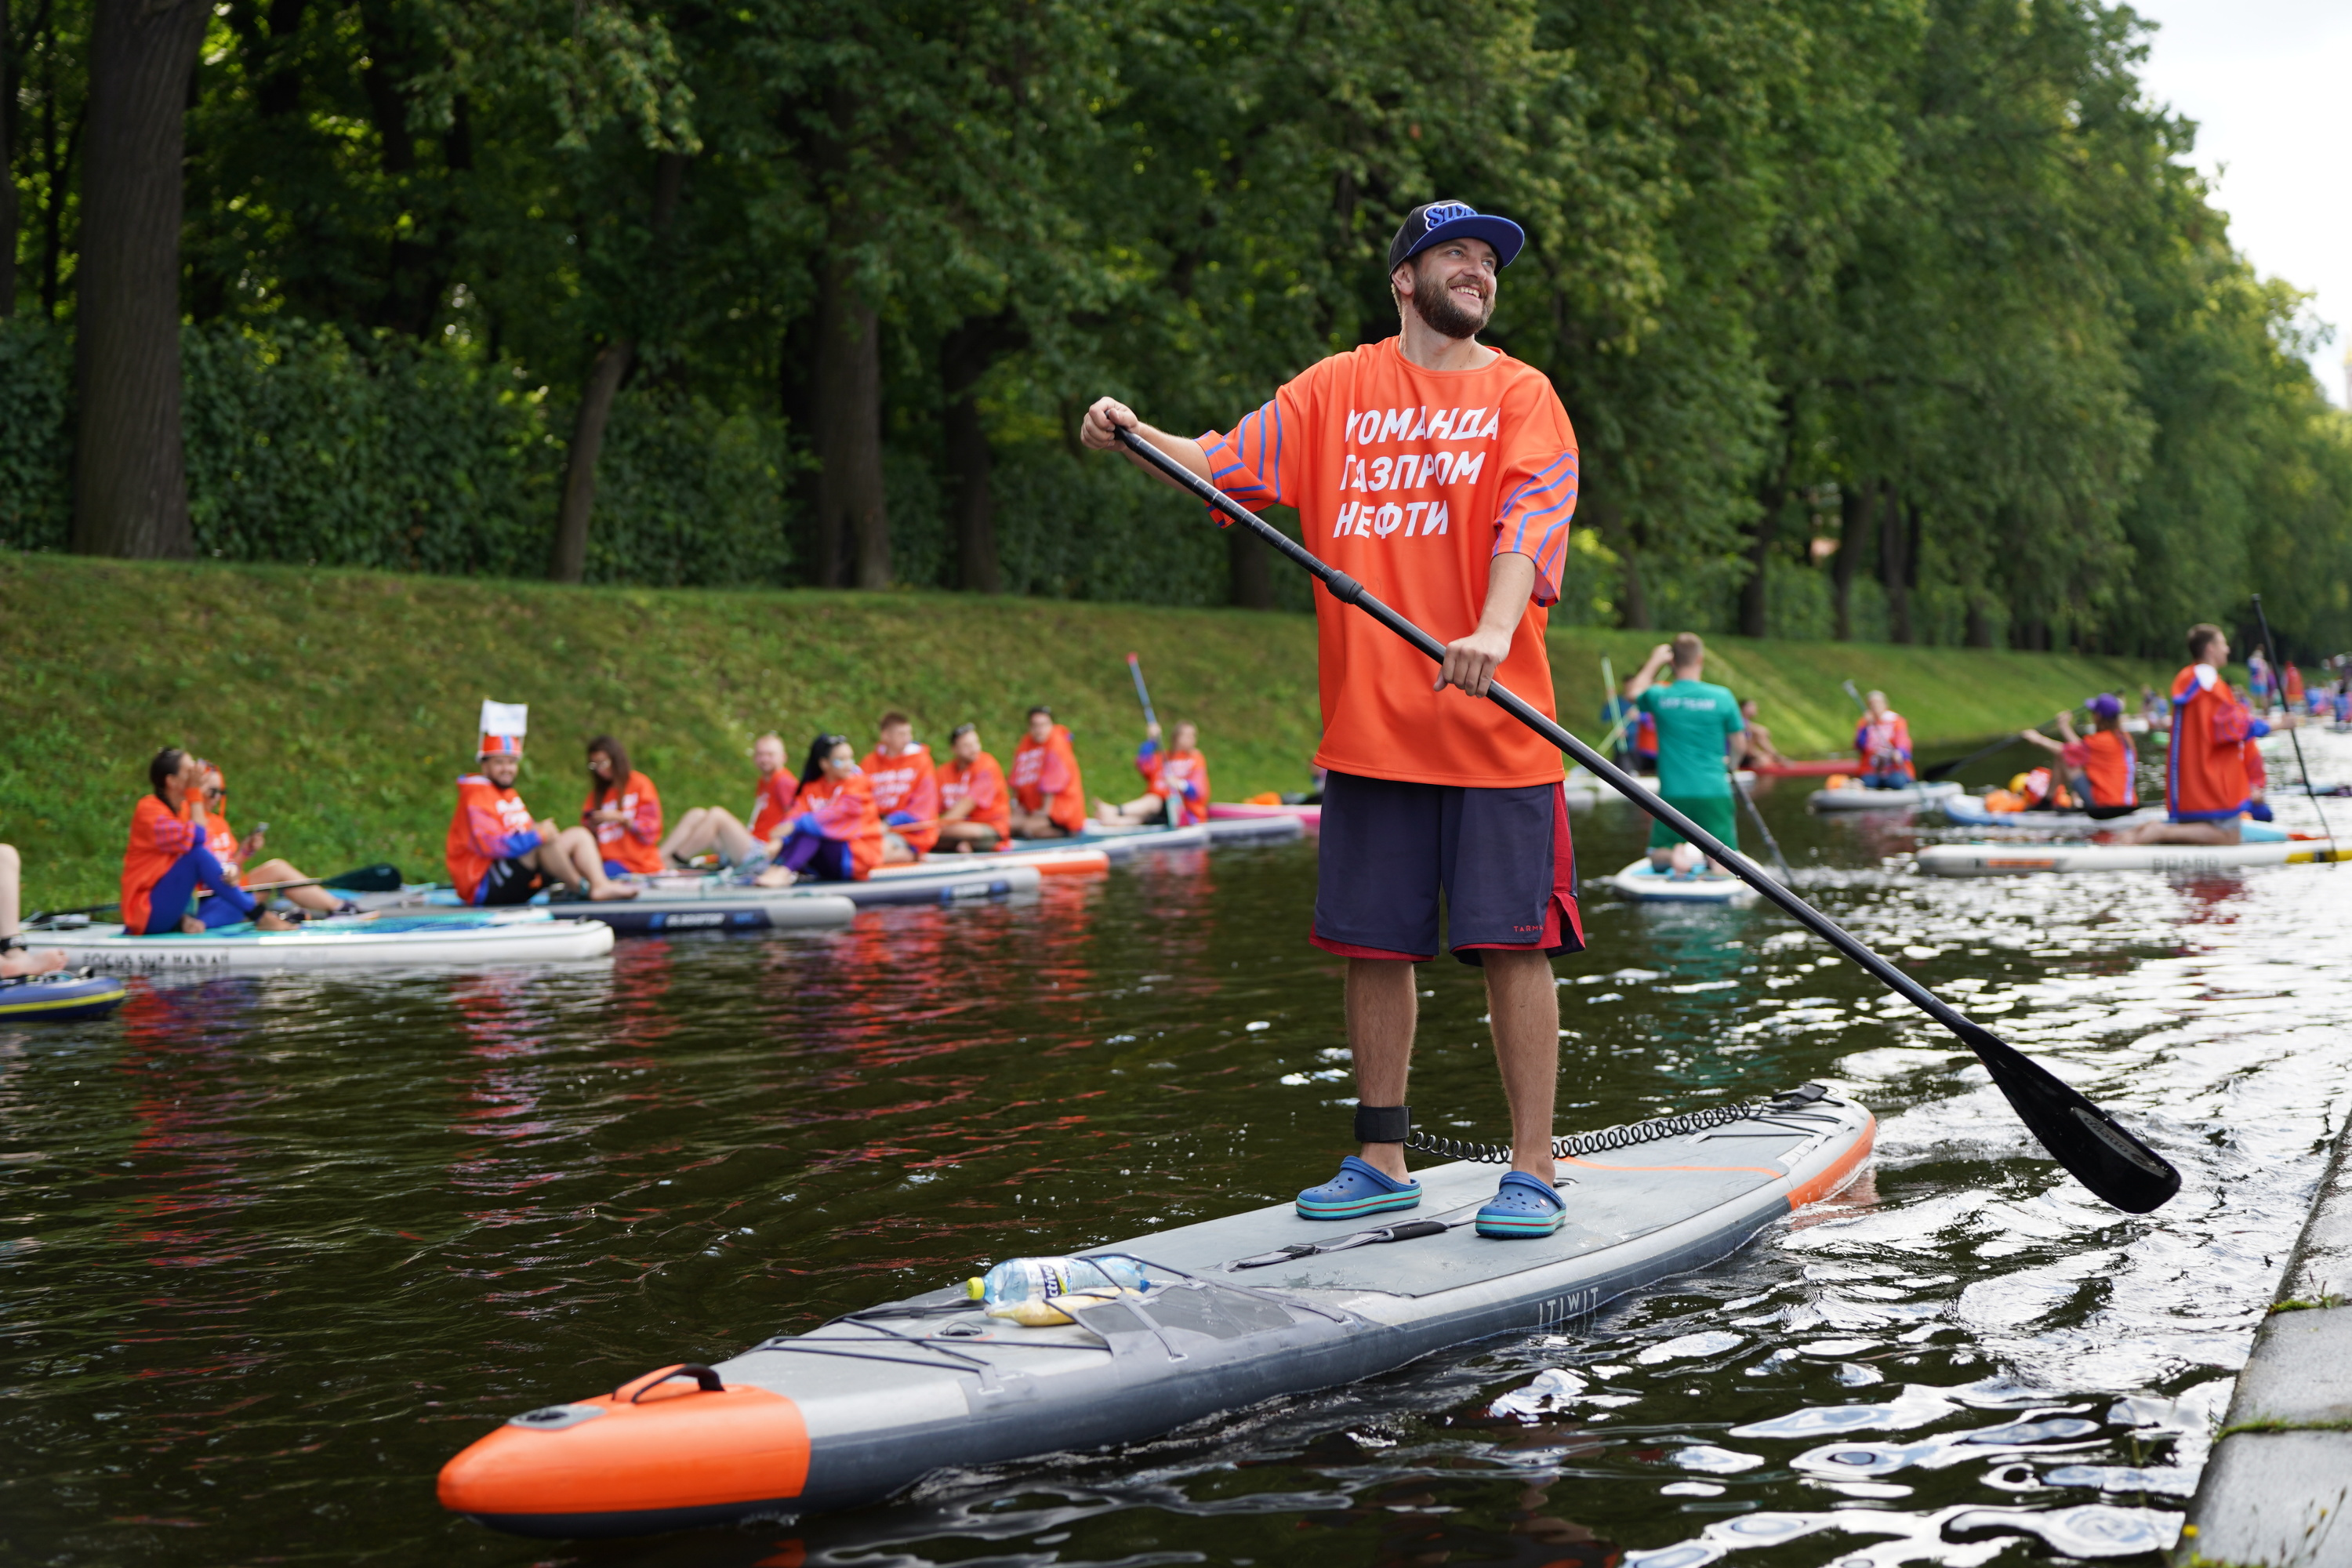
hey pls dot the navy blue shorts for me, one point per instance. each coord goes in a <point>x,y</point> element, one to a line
<point>1501,857</point>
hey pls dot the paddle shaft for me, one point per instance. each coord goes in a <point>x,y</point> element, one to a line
<point>1609,702</point>
<point>1946,770</point>
<point>1761,826</point>
<point>2057,1114</point>
<point>2278,679</point>
<point>1135,668</point>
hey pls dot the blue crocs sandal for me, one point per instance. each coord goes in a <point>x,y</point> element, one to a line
<point>1523,1205</point>
<point>1356,1191</point>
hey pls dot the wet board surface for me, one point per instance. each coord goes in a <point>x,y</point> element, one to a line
<point>860,1407</point>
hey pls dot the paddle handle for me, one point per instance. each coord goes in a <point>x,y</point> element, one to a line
<point>1135,668</point>
<point>1347,591</point>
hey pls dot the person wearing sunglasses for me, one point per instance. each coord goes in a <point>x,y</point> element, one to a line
<point>837,835</point>
<point>236,855</point>
<point>168,860</point>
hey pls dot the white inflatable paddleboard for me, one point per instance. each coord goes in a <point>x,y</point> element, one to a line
<point>2022,859</point>
<point>1855,797</point>
<point>1641,881</point>
<point>352,941</point>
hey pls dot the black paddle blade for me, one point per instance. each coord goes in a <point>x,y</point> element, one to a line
<point>377,879</point>
<point>2089,1142</point>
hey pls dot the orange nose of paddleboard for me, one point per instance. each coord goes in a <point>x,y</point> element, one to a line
<point>658,1452</point>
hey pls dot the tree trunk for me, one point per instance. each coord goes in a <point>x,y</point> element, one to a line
<point>568,558</point>
<point>568,562</point>
<point>969,464</point>
<point>853,523</point>
<point>1250,572</point>
<point>965,355</point>
<point>7,173</point>
<point>1854,529</point>
<point>1980,627</point>
<point>1893,567</point>
<point>131,483</point>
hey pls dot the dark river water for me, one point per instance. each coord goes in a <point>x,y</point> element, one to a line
<point>272,1249</point>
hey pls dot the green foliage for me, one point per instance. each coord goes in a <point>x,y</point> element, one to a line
<point>1945,255</point>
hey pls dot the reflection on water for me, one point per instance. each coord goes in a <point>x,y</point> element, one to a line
<point>271,1249</point>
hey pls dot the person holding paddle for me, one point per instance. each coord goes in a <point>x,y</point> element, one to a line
<point>1441,474</point>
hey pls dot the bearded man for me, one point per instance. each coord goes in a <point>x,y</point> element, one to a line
<point>1440,473</point>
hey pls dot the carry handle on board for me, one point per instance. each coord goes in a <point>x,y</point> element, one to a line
<point>2101,1154</point>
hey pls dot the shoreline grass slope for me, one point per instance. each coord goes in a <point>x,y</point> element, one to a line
<point>342,703</point>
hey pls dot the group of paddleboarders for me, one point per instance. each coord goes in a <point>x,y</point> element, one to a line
<point>840,817</point>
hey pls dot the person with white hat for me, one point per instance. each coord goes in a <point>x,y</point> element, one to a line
<point>497,852</point>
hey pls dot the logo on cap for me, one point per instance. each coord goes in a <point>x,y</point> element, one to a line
<point>1444,212</point>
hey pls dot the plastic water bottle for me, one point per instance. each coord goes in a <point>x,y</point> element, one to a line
<point>1022,1280</point>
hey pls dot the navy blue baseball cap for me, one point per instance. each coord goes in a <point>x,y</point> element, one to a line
<point>1433,221</point>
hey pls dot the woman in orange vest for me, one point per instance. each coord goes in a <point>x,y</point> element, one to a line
<point>167,861</point>
<point>838,834</point>
<point>236,855</point>
<point>1049,797</point>
<point>2206,795</point>
<point>1178,792</point>
<point>975,803</point>
<point>623,810</point>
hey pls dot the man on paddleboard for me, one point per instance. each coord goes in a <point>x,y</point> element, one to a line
<point>1441,474</point>
<point>1701,736</point>
<point>2206,793</point>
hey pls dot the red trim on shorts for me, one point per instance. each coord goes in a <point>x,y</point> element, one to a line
<point>1350,949</point>
<point>1560,911</point>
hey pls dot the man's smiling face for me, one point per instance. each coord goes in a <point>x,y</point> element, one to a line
<point>1452,285</point>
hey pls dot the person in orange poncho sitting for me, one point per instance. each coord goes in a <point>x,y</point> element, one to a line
<point>906,789</point>
<point>496,852</point>
<point>623,810</point>
<point>2102,766</point>
<point>1882,739</point>
<point>1049,798</point>
<point>168,860</point>
<point>1178,781</point>
<point>975,803</point>
<point>716,827</point>
<point>838,837</point>
<point>2206,796</point>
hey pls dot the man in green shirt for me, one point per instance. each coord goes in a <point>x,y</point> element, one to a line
<point>1701,739</point>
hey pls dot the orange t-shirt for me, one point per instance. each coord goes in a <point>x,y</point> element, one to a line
<point>772,809</point>
<point>984,782</point>
<point>1411,481</point>
<point>907,783</point>
<point>221,839</point>
<point>1045,778</point>
<point>159,837</point>
<point>634,845</point>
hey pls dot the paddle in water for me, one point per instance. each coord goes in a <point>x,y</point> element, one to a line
<point>1946,770</point>
<point>2090,1143</point>
<point>2278,674</point>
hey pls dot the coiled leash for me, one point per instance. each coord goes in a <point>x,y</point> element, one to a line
<point>1394,1124</point>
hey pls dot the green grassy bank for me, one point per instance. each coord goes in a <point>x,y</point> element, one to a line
<point>342,703</point>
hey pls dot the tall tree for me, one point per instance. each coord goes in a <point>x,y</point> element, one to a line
<point>7,167</point>
<point>130,489</point>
